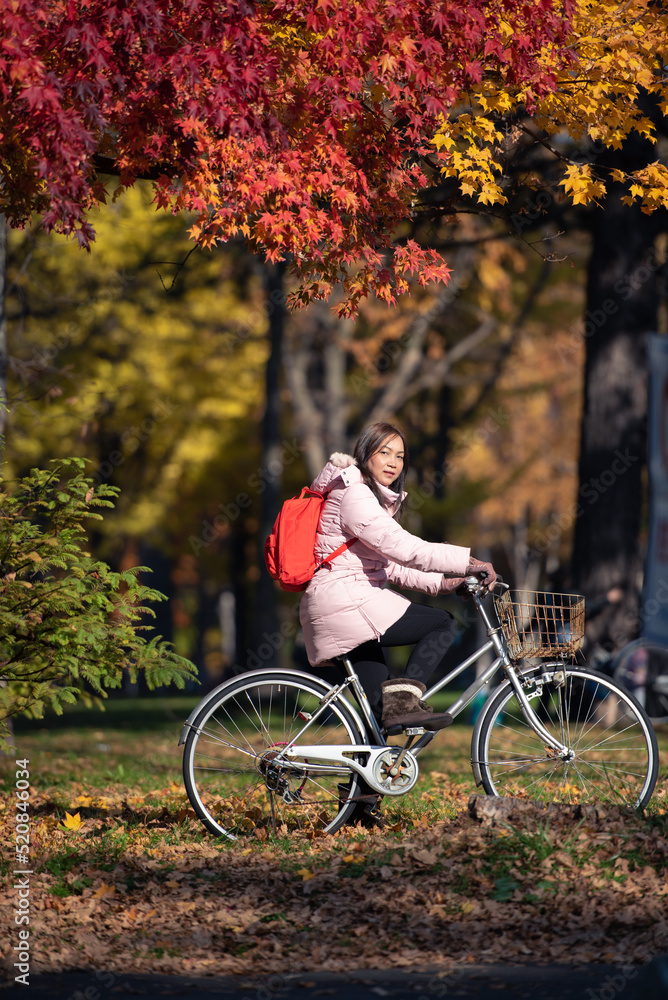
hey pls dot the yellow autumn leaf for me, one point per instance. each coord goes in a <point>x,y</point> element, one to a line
<point>306,874</point>
<point>350,857</point>
<point>581,185</point>
<point>441,140</point>
<point>171,884</point>
<point>616,47</point>
<point>506,30</point>
<point>72,822</point>
<point>104,890</point>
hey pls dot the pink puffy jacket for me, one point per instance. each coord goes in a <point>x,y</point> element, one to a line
<point>345,604</point>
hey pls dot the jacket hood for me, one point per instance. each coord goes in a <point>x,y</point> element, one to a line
<point>341,460</point>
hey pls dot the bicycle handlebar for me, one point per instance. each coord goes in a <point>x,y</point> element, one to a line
<point>476,585</point>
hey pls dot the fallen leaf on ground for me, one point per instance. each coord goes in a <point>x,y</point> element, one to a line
<point>72,822</point>
<point>104,890</point>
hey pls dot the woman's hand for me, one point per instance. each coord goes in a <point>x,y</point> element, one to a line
<point>483,570</point>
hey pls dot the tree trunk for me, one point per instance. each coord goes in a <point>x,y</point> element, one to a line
<point>9,724</point>
<point>622,307</point>
<point>3,330</point>
<point>315,356</point>
<point>266,635</point>
<point>243,626</point>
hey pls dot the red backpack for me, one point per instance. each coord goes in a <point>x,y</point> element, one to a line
<point>289,551</point>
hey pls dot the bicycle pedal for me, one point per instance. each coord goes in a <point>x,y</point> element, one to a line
<point>415,731</point>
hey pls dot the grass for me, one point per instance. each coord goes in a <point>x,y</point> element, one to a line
<point>131,750</point>
<point>132,744</point>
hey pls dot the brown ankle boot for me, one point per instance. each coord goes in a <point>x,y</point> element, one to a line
<point>402,706</point>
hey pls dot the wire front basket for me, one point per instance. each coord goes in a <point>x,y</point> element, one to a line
<point>540,624</point>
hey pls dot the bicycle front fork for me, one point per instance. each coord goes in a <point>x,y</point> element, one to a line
<point>558,678</point>
<point>494,632</point>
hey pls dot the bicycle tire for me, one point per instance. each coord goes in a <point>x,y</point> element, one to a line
<point>233,785</point>
<point>615,755</point>
<point>642,668</point>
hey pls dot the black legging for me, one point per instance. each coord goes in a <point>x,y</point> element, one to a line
<point>431,629</point>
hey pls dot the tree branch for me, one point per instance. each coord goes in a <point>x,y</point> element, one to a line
<point>507,347</point>
<point>435,373</point>
<point>394,393</point>
<point>308,419</point>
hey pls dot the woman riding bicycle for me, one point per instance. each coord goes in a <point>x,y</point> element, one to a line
<point>346,609</point>
<point>275,751</point>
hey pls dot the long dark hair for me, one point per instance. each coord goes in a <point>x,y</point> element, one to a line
<point>370,441</point>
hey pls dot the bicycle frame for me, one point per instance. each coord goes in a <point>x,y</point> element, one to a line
<point>331,759</point>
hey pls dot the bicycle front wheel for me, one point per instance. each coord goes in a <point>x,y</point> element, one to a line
<point>612,749</point>
<point>642,668</point>
<point>235,777</point>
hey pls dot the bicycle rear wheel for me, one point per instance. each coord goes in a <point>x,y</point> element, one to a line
<point>235,778</point>
<point>642,668</point>
<point>613,755</point>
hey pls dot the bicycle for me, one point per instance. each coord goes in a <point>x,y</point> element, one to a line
<point>641,667</point>
<point>283,751</point>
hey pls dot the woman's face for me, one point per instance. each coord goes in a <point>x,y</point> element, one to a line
<point>386,464</point>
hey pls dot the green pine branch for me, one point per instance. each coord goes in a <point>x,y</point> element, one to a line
<point>70,627</point>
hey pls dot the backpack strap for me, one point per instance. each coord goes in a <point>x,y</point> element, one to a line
<point>337,552</point>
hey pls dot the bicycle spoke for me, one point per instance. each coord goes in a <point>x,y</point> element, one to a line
<point>225,743</point>
<point>236,727</point>
<point>611,746</point>
<point>237,776</point>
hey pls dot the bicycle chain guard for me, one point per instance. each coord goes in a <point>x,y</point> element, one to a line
<point>388,770</point>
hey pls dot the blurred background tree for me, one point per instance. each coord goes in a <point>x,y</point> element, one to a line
<point>150,361</point>
<point>152,369</point>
